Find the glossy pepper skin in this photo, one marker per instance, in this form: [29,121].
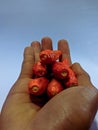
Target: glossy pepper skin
[54,87]
[39,69]
[49,56]
[38,86]
[72,79]
[51,75]
[60,70]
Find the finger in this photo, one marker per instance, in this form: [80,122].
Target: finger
[46,43]
[36,48]
[82,75]
[67,110]
[28,62]
[63,46]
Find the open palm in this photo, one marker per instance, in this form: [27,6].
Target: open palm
[20,112]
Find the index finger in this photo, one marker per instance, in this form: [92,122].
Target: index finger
[64,47]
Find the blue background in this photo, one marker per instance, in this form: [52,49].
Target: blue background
[23,21]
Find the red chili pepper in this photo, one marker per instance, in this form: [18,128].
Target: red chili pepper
[60,70]
[54,87]
[49,56]
[38,86]
[50,75]
[72,79]
[57,53]
[39,70]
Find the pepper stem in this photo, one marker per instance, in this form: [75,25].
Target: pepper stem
[35,89]
[64,74]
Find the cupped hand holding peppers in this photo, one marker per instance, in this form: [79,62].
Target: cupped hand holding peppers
[72,109]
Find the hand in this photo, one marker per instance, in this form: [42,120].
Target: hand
[72,109]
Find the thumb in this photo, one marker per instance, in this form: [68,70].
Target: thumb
[72,109]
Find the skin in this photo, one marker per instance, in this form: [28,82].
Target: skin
[72,109]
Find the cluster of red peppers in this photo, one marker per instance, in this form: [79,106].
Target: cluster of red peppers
[50,75]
